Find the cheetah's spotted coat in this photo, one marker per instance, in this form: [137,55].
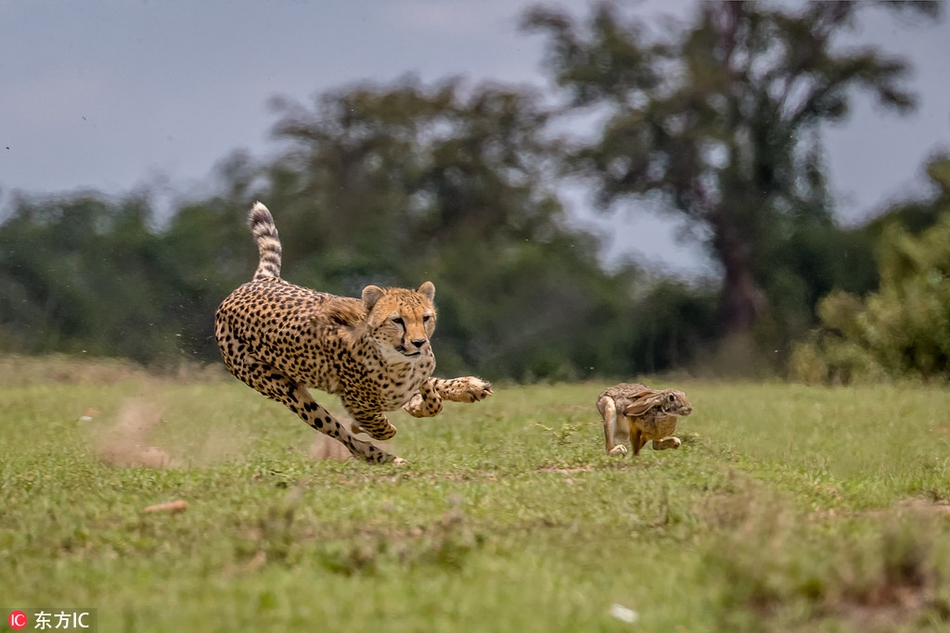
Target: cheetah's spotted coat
[373,352]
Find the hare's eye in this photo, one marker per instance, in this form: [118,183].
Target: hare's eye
[672,398]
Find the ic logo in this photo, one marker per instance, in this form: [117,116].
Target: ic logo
[17,620]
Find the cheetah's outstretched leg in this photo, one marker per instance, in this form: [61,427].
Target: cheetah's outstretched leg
[465,389]
[427,402]
[272,383]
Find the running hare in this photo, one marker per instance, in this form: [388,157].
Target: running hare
[636,413]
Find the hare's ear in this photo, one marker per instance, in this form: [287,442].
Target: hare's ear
[643,401]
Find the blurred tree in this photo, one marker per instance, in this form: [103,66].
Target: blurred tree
[389,185]
[86,274]
[917,215]
[395,185]
[719,119]
[379,181]
[213,251]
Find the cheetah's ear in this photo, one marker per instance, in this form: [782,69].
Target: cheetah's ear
[372,294]
[427,290]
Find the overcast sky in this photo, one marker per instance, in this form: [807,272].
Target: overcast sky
[115,95]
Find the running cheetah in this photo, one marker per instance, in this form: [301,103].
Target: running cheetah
[373,352]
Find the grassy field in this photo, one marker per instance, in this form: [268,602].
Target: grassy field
[788,508]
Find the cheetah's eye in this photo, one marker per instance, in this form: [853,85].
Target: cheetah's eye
[426,318]
[398,321]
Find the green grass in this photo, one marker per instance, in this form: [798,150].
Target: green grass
[787,509]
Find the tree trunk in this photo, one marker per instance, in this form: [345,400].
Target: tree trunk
[740,301]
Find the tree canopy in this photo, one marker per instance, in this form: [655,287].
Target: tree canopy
[389,185]
[719,119]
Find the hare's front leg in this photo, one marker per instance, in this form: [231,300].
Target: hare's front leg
[611,431]
[637,441]
[665,443]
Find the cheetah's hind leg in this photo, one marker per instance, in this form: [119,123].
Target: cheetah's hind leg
[272,383]
[311,412]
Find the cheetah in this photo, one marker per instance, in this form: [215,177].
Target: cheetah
[373,352]
[635,413]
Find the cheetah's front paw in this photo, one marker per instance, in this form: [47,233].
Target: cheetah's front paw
[474,389]
[619,449]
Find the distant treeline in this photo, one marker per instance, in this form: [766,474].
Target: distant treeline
[397,184]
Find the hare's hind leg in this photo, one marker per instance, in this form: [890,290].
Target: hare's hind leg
[611,431]
[665,443]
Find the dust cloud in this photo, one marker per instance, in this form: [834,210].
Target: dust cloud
[326,448]
[130,441]
[127,442]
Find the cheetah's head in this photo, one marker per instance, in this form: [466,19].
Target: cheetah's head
[401,321]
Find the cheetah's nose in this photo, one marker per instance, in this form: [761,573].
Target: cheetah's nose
[418,342]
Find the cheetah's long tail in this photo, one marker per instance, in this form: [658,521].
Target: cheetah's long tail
[262,226]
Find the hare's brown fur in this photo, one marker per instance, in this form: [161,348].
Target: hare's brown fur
[635,413]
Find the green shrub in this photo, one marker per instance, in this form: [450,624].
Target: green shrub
[901,330]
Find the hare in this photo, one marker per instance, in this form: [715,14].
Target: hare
[636,413]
